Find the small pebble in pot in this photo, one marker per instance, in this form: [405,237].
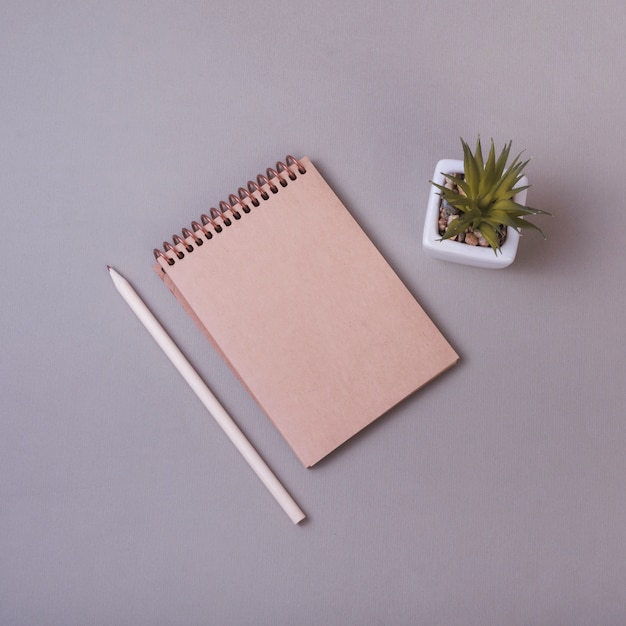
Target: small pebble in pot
[471,239]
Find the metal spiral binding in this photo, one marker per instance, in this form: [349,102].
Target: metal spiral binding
[246,199]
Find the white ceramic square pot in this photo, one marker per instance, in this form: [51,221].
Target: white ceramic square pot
[458,252]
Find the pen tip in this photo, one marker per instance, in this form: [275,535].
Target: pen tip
[108,268]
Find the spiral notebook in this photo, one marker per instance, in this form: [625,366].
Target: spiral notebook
[303,308]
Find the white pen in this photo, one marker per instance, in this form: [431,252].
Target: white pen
[207,398]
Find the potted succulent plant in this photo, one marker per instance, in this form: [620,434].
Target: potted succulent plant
[476,208]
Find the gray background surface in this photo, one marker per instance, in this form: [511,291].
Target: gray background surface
[494,496]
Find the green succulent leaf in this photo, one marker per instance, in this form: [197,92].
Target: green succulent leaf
[502,159]
[500,218]
[478,154]
[510,207]
[457,226]
[490,176]
[525,224]
[472,171]
[461,202]
[491,235]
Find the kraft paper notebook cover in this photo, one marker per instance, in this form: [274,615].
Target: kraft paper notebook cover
[303,308]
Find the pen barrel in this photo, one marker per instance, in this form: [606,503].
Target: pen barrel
[221,416]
